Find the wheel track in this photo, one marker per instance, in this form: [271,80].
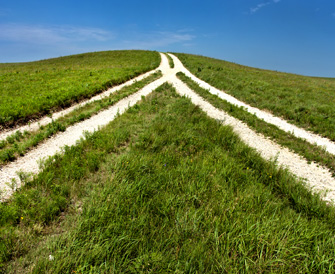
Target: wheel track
[48,119]
[318,178]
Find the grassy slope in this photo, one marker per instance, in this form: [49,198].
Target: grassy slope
[29,90]
[299,146]
[306,101]
[163,189]
[18,144]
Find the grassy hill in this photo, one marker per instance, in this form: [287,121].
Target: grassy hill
[308,102]
[161,189]
[30,90]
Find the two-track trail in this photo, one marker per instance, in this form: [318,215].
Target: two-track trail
[29,163]
[318,178]
[48,119]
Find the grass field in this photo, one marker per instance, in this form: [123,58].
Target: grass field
[302,147]
[308,102]
[18,144]
[30,90]
[164,188]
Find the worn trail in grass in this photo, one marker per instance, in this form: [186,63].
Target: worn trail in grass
[164,188]
[300,146]
[317,177]
[267,117]
[19,143]
[305,101]
[33,126]
[31,90]
[30,163]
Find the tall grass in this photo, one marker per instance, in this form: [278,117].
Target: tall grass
[164,188]
[305,101]
[29,90]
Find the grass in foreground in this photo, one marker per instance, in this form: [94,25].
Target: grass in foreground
[305,101]
[18,144]
[298,145]
[164,188]
[31,90]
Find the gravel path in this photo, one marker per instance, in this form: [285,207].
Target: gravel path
[29,163]
[318,178]
[47,119]
[267,117]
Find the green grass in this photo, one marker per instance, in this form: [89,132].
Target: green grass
[18,144]
[305,101]
[171,63]
[164,188]
[298,145]
[30,90]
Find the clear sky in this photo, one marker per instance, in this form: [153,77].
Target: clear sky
[295,36]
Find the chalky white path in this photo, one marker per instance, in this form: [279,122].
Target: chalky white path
[29,163]
[47,120]
[267,117]
[317,178]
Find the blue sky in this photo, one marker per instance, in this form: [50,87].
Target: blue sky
[295,36]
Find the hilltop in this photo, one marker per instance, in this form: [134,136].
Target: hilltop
[160,174]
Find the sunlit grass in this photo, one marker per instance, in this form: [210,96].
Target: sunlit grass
[19,143]
[30,90]
[305,149]
[164,188]
[308,102]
